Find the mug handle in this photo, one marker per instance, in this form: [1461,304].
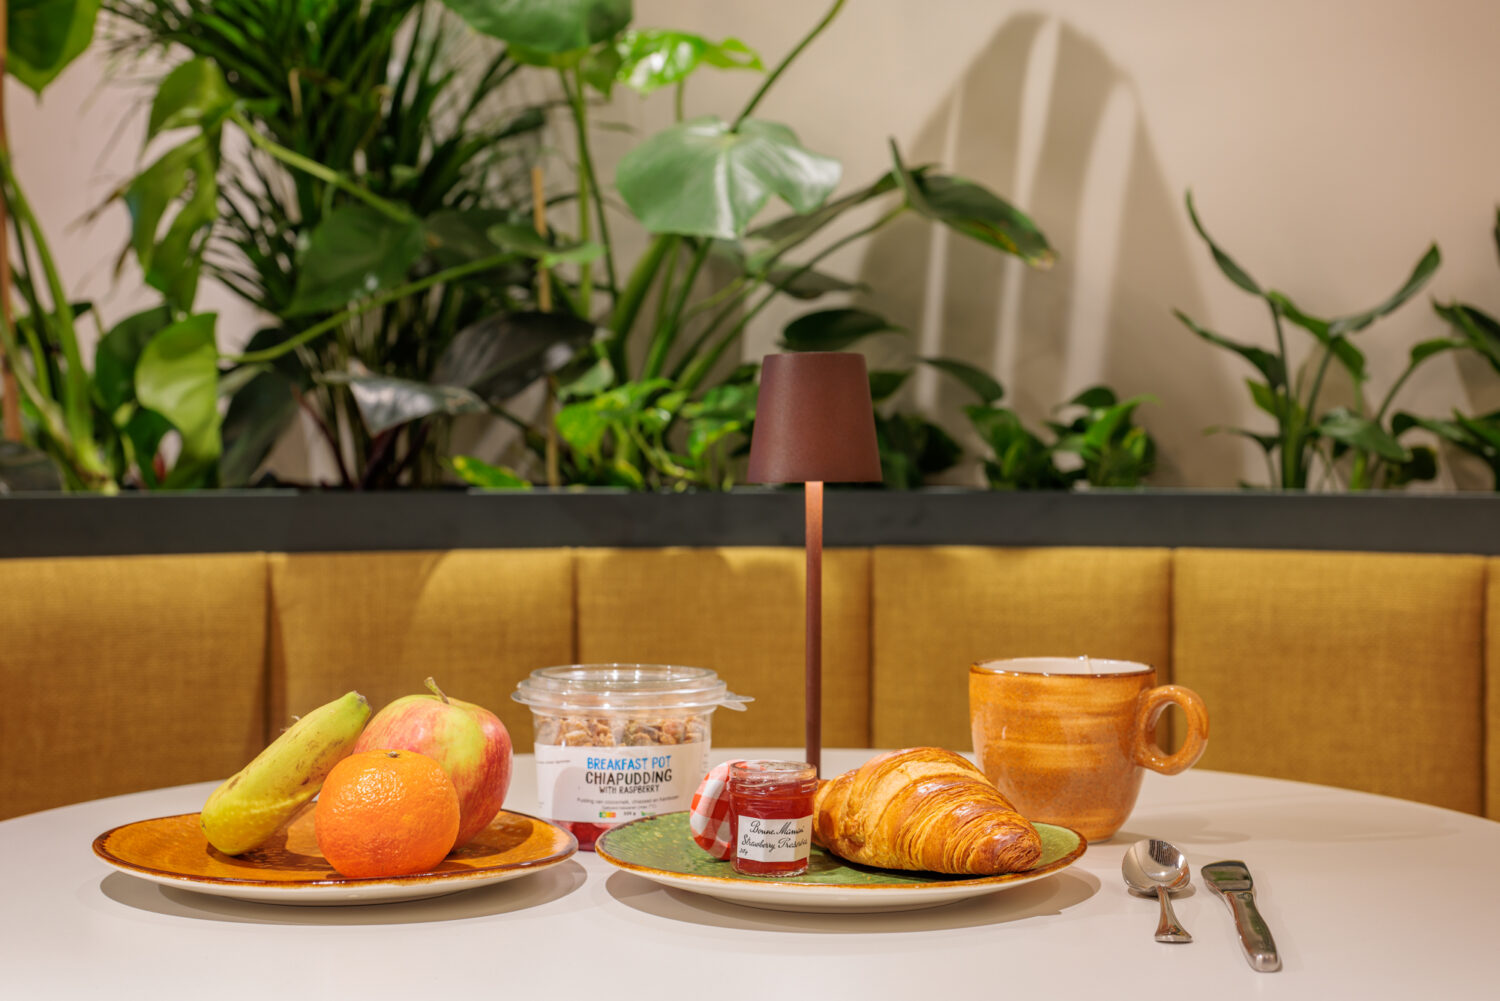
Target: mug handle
[1153,703]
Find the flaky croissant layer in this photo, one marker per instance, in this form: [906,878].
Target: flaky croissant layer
[923,808]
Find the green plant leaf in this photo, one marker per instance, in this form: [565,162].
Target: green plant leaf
[656,58]
[1478,328]
[178,258]
[568,60]
[529,243]
[119,351]
[1266,363]
[913,448]
[177,377]
[700,178]
[975,211]
[1414,282]
[730,401]
[194,95]
[705,433]
[808,284]
[1021,461]
[584,424]
[1345,426]
[1420,468]
[1423,350]
[791,230]
[1343,349]
[386,402]
[655,419]
[1268,442]
[595,379]
[790,279]
[23,468]
[984,385]
[834,329]
[456,237]
[1485,429]
[1226,264]
[501,355]
[1109,425]
[884,383]
[623,473]
[545,25]
[145,431]
[600,67]
[1094,398]
[582,427]
[478,473]
[187,172]
[1264,397]
[259,413]
[353,253]
[44,36]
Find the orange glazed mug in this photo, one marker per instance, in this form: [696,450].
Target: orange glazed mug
[1065,738]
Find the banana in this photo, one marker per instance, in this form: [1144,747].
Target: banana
[250,806]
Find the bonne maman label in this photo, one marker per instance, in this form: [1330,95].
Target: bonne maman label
[782,839]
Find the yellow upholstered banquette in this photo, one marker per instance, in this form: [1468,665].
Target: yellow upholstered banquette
[1362,670]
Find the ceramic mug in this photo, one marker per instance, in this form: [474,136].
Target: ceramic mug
[1066,738]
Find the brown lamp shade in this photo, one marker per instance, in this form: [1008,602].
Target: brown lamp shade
[814,421]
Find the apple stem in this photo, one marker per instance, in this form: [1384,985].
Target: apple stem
[432,687]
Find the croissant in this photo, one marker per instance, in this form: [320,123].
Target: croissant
[923,808]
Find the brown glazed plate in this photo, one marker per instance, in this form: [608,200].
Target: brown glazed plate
[661,849]
[289,869]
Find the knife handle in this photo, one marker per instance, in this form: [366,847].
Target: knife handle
[1255,937]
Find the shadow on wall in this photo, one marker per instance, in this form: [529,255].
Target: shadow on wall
[1044,117]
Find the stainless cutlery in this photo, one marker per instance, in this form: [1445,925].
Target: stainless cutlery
[1231,880]
[1156,867]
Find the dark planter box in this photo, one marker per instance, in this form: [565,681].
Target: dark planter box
[289,521]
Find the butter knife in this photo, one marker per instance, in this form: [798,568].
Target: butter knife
[1231,880]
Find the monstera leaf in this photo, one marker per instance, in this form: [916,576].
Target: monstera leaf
[545,25]
[656,58]
[702,178]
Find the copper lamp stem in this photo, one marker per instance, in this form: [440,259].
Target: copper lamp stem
[814,542]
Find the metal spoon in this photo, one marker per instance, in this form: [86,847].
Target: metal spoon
[1153,866]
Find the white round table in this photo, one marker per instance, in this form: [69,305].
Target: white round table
[1367,897]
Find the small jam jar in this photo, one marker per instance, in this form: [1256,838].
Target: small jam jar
[771,813]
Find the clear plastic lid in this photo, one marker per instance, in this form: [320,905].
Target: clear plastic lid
[625,687]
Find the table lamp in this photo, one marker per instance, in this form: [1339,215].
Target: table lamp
[814,424]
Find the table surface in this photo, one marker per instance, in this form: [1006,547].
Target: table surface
[1367,897]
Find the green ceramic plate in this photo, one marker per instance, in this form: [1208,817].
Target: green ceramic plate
[661,848]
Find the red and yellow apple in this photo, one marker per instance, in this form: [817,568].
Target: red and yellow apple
[469,741]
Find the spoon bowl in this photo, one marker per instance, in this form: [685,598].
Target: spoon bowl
[1153,867]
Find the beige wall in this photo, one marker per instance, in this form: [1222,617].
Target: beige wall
[1327,144]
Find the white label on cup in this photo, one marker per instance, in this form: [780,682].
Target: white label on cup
[610,785]
[783,839]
